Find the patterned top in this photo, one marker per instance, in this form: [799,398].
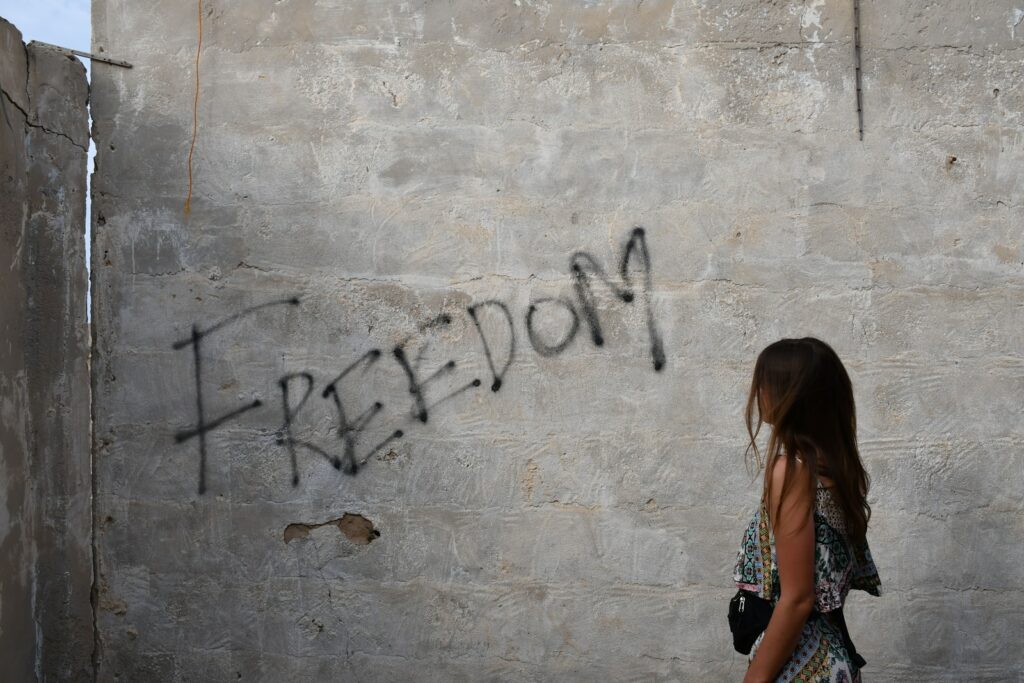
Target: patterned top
[839,566]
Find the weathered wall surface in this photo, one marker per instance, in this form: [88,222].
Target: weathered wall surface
[389,199]
[46,621]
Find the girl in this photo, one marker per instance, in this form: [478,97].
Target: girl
[806,546]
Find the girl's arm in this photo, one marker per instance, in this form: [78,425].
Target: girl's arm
[794,547]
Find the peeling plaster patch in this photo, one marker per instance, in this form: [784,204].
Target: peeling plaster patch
[356,528]
[530,477]
[14,412]
[811,17]
[1014,22]
[312,626]
[1005,254]
[5,515]
[118,607]
[725,17]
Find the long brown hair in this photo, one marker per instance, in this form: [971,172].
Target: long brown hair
[811,409]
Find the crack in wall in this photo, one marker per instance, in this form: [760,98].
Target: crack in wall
[28,122]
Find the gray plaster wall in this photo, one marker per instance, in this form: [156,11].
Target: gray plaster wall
[368,172]
[46,623]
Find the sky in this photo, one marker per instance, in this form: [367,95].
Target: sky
[67,23]
[61,22]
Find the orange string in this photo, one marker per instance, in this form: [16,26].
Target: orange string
[195,113]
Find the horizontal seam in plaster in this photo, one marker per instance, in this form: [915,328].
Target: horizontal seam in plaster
[646,44]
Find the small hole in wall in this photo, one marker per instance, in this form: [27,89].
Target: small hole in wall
[950,160]
[356,528]
[995,92]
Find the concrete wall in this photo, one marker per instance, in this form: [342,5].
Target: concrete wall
[46,625]
[377,184]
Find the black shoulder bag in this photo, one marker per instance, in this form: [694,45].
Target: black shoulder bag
[749,615]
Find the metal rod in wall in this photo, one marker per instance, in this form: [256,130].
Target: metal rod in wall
[87,55]
[856,65]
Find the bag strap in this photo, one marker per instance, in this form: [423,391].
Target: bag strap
[764,545]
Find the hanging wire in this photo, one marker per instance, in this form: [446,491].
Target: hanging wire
[195,113]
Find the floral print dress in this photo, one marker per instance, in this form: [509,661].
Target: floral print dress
[839,566]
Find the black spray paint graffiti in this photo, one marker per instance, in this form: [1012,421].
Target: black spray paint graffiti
[202,426]
[498,376]
[302,384]
[582,261]
[418,385]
